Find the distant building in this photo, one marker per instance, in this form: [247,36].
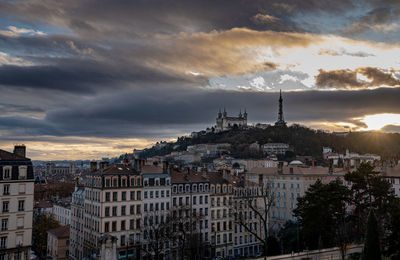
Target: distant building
[77,222]
[275,148]
[57,243]
[226,123]
[53,169]
[16,189]
[62,212]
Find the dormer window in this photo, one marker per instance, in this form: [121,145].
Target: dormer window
[108,182]
[22,172]
[123,182]
[7,172]
[115,182]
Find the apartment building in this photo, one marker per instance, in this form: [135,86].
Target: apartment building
[62,212]
[16,189]
[156,208]
[113,197]
[58,243]
[190,206]
[77,223]
[221,194]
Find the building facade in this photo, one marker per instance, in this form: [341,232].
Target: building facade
[58,243]
[16,189]
[77,223]
[223,122]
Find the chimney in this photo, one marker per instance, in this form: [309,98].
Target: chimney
[330,166]
[76,183]
[103,165]
[165,166]
[280,167]
[313,162]
[20,150]
[93,166]
[187,172]
[204,173]
[227,175]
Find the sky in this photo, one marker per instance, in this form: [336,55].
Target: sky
[85,79]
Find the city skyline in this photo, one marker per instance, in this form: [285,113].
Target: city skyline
[84,82]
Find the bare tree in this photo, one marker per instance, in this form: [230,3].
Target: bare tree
[252,205]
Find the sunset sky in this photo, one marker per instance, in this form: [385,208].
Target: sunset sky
[84,79]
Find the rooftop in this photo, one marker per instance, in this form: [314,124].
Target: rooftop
[7,156]
[60,232]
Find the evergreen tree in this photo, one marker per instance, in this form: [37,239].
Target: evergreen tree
[372,249]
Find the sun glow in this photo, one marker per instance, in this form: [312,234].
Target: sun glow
[377,121]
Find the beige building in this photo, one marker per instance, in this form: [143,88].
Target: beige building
[58,243]
[113,209]
[16,204]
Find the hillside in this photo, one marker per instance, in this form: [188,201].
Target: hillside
[305,141]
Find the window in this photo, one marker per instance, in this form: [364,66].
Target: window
[132,210]
[123,225]
[132,195]
[137,209]
[5,206]
[115,182]
[138,195]
[123,210]
[7,173]
[107,227]
[3,242]
[21,205]
[138,223]
[6,189]
[114,226]
[131,224]
[107,196]
[108,182]
[22,172]
[115,196]
[123,195]
[107,212]
[123,182]
[4,224]
[145,194]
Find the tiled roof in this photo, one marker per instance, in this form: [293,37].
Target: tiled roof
[44,204]
[179,177]
[7,156]
[60,232]
[118,168]
[151,169]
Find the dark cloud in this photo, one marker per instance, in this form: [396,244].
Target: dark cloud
[167,112]
[348,78]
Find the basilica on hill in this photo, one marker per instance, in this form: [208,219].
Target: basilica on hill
[225,122]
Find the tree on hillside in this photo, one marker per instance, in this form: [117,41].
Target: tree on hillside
[372,249]
[42,223]
[322,215]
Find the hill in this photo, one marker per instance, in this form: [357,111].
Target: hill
[305,141]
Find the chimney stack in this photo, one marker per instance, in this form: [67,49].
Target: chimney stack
[280,167]
[330,166]
[20,150]
[93,166]
[313,162]
[103,165]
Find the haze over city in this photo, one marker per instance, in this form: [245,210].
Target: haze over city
[88,79]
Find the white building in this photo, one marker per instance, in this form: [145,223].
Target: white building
[77,224]
[62,212]
[156,207]
[275,148]
[16,189]
[225,123]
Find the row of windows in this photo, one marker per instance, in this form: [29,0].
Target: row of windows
[187,200]
[156,194]
[22,171]
[134,195]
[156,206]
[113,211]
[112,226]
[156,182]
[186,213]
[6,206]
[113,181]
[188,188]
